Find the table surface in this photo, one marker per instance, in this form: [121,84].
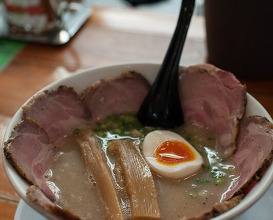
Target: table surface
[110,36]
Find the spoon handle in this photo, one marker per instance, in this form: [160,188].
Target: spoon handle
[162,106]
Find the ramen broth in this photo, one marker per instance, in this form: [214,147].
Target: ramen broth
[189,197]
[68,178]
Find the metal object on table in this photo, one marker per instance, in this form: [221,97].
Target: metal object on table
[64,19]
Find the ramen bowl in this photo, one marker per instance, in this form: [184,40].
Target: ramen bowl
[81,80]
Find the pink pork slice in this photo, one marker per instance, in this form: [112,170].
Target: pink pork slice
[254,153]
[252,158]
[59,112]
[30,152]
[214,99]
[123,94]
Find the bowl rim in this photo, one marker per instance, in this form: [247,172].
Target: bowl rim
[103,71]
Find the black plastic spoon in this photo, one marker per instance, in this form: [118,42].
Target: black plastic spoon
[161,107]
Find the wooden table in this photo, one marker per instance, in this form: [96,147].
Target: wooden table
[110,36]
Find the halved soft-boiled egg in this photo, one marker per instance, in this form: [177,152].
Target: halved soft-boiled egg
[170,155]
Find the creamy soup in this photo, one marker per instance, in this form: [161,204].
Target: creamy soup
[75,189]
[188,197]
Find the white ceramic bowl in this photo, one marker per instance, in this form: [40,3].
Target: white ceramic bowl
[84,78]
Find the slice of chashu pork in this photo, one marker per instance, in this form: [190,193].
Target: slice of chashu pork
[253,156]
[31,153]
[254,153]
[116,95]
[214,99]
[58,111]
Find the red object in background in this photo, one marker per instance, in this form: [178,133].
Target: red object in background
[38,9]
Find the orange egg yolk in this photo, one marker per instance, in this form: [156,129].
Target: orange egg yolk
[174,152]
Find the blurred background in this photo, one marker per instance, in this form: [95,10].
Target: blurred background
[163,6]
[18,18]
[238,34]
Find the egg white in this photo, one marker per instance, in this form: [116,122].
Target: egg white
[180,170]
